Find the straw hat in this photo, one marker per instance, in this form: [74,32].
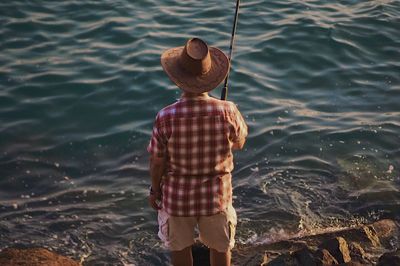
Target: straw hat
[195,67]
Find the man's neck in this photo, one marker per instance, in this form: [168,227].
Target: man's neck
[189,95]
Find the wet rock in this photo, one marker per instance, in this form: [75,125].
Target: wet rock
[249,255]
[372,235]
[338,248]
[388,232]
[305,256]
[366,245]
[33,257]
[264,260]
[390,259]
[256,255]
[358,254]
[324,257]
[353,263]
[284,260]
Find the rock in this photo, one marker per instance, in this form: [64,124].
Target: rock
[305,257]
[358,254]
[390,259]
[264,260]
[352,263]
[33,257]
[324,257]
[256,255]
[370,242]
[301,257]
[338,248]
[386,230]
[372,235]
[284,260]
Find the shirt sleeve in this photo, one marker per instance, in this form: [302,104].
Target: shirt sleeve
[239,126]
[158,144]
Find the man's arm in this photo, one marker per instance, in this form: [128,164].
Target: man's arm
[240,130]
[157,169]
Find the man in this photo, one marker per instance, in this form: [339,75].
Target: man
[191,156]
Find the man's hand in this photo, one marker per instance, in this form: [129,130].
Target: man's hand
[155,200]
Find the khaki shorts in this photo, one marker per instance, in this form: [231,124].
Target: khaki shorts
[215,231]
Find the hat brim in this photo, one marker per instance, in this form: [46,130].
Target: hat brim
[195,83]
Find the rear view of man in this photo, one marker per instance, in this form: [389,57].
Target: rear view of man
[191,156]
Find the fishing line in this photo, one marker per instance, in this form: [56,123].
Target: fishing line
[224,92]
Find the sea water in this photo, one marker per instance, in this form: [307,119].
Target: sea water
[318,83]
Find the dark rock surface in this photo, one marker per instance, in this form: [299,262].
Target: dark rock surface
[305,256]
[338,248]
[33,257]
[324,257]
[358,254]
[390,259]
[283,260]
[362,245]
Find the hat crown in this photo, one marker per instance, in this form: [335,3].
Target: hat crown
[196,49]
[195,57]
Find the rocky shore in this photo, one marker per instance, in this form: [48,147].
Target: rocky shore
[374,244]
[33,257]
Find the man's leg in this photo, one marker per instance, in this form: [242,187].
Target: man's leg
[183,257]
[177,234]
[218,233]
[220,258]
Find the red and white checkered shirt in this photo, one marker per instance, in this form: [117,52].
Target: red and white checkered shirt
[196,136]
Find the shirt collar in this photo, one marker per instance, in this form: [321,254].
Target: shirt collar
[200,97]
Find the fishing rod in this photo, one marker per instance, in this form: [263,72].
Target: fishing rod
[224,92]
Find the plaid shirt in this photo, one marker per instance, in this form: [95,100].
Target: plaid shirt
[196,136]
